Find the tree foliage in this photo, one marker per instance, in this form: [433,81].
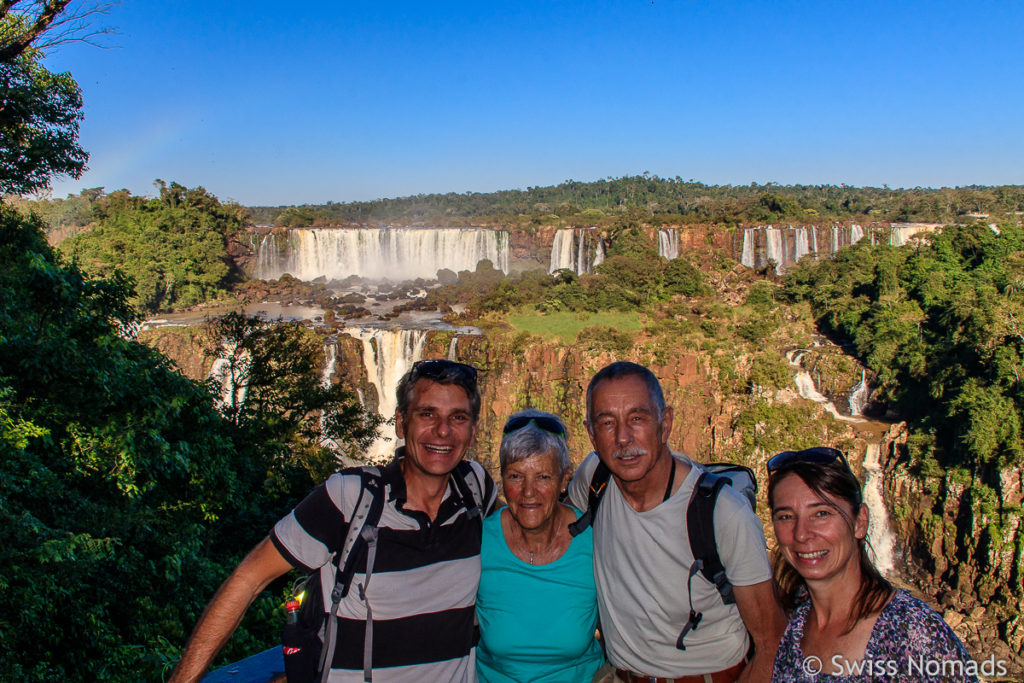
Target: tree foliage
[174,247]
[125,496]
[939,324]
[40,114]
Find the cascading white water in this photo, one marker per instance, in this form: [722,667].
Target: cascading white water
[859,395]
[387,355]
[668,243]
[380,253]
[747,254]
[835,239]
[814,239]
[451,347]
[774,247]
[881,540]
[571,249]
[801,245]
[806,389]
[231,372]
[562,251]
[856,234]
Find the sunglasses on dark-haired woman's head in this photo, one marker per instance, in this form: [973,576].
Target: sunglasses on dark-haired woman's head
[819,455]
[548,424]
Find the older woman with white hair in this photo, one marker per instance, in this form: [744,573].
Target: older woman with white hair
[537,604]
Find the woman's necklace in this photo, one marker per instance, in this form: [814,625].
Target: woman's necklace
[531,557]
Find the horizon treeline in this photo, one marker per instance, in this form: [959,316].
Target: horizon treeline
[661,201]
[646,199]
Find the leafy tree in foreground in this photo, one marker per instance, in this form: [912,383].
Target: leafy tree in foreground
[125,497]
[40,113]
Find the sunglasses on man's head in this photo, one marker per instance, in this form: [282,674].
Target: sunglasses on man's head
[819,455]
[437,367]
[548,424]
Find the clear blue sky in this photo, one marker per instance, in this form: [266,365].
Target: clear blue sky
[306,102]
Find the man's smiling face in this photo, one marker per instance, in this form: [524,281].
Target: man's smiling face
[438,428]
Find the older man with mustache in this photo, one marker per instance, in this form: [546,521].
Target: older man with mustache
[642,554]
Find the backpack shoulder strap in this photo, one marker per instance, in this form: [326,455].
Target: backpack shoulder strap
[467,484]
[362,533]
[700,527]
[598,485]
[700,523]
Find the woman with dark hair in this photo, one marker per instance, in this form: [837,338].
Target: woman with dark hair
[537,602]
[848,623]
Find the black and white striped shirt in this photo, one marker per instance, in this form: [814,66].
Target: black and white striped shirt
[424,581]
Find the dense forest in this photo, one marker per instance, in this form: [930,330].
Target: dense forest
[659,201]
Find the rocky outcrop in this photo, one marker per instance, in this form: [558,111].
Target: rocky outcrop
[965,546]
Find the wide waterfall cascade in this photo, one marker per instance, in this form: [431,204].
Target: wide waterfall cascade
[859,395]
[668,243]
[806,389]
[881,540]
[380,253]
[387,355]
[577,249]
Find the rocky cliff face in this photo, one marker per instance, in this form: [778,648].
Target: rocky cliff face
[961,553]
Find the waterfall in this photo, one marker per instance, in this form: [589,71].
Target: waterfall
[856,234]
[387,355]
[582,260]
[380,253]
[451,347]
[835,239]
[801,246]
[231,374]
[880,537]
[774,248]
[807,390]
[814,239]
[859,395]
[747,255]
[562,250]
[571,249]
[668,243]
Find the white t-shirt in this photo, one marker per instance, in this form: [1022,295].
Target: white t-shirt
[641,562]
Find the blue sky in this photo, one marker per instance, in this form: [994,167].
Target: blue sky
[270,103]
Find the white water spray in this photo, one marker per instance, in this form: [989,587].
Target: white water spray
[387,355]
[881,541]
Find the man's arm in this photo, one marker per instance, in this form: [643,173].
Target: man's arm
[765,622]
[221,617]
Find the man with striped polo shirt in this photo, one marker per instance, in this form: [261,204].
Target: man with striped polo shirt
[427,567]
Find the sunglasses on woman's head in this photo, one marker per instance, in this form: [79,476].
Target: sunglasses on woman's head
[548,424]
[819,455]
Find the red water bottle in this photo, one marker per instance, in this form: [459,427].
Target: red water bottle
[291,616]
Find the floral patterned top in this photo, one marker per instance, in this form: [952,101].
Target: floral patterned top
[909,642]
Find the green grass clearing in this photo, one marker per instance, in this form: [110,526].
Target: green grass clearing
[565,325]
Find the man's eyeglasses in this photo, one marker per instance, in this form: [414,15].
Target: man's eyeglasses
[819,455]
[548,424]
[438,368]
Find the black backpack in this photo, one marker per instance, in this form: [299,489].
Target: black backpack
[699,525]
[310,641]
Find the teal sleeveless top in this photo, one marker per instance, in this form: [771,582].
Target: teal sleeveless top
[537,622]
